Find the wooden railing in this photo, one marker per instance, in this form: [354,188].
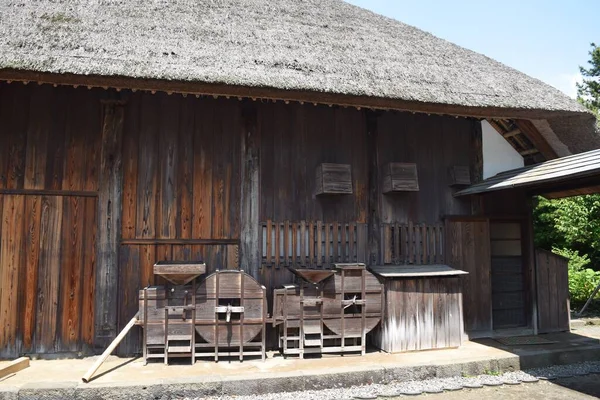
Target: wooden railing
[316,244]
[313,244]
[412,243]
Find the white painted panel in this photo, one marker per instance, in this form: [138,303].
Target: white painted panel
[498,154]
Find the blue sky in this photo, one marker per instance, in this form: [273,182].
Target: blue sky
[547,39]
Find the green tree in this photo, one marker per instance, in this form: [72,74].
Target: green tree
[569,223]
[588,92]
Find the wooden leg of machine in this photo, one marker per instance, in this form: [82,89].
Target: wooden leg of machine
[217,317]
[166,324]
[264,325]
[363,314]
[343,321]
[241,317]
[145,333]
[301,329]
[193,333]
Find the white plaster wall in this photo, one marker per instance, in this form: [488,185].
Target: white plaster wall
[498,155]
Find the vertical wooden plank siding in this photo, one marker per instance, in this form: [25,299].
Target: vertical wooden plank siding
[373,204]
[33,211]
[11,262]
[49,269]
[89,266]
[109,219]
[553,292]
[468,249]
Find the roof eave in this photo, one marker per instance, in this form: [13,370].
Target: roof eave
[270,93]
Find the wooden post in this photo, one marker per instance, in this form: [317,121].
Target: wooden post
[250,253]
[109,224]
[374,219]
[476,166]
[532,264]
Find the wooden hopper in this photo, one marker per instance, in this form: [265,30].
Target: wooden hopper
[312,275]
[179,272]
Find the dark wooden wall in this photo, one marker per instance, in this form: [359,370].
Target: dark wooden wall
[434,143]
[168,177]
[468,249]
[295,140]
[49,162]
[181,189]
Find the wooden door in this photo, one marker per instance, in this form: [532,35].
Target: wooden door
[468,249]
[552,292]
[508,275]
[47,266]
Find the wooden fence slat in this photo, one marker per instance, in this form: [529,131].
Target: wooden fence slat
[311,244]
[424,249]
[286,243]
[387,237]
[303,243]
[327,261]
[361,242]
[335,248]
[269,243]
[319,261]
[351,236]
[277,243]
[410,242]
[396,244]
[294,243]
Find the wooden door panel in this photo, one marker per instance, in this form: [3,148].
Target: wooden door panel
[468,249]
[47,262]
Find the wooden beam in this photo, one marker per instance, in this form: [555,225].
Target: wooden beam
[14,366]
[180,241]
[374,219]
[212,89]
[512,133]
[250,252]
[43,192]
[109,225]
[528,152]
[535,137]
[572,192]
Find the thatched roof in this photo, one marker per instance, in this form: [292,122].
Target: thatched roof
[310,45]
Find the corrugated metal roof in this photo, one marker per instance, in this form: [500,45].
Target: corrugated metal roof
[553,171]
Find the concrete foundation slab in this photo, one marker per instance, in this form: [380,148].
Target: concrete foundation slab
[126,378]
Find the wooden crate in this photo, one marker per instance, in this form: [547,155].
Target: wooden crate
[459,175]
[333,179]
[400,177]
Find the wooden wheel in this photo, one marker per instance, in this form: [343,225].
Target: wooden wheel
[352,316]
[235,289]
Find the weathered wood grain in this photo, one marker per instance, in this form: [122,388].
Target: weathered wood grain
[11,262]
[552,292]
[33,211]
[109,228]
[420,314]
[49,269]
[468,249]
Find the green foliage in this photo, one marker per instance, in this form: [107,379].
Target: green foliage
[588,92]
[582,281]
[570,223]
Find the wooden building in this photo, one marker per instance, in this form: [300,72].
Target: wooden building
[258,136]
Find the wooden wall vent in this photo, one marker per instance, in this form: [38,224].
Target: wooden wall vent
[460,176]
[400,177]
[333,179]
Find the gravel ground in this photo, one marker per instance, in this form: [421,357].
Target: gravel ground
[437,385]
